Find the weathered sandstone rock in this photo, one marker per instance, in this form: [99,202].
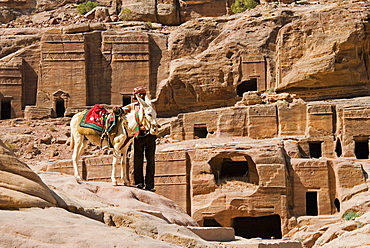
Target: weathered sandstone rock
[214,233]
[58,227]
[323,54]
[20,187]
[207,62]
[301,55]
[6,15]
[99,194]
[23,5]
[12,40]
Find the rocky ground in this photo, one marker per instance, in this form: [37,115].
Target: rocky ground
[37,142]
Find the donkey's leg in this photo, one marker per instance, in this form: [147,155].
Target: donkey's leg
[78,149]
[116,157]
[124,164]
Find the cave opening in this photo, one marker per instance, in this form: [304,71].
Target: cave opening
[250,85]
[338,148]
[234,167]
[264,227]
[211,222]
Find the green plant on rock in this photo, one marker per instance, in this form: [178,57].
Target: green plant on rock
[11,145]
[149,24]
[350,215]
[83,8]
[125,14]
[241,5]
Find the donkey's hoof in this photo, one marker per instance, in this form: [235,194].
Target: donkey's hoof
[115,183]
[79,180]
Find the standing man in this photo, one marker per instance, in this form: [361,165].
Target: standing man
[144,144]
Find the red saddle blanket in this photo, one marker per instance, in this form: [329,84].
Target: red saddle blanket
[98,118]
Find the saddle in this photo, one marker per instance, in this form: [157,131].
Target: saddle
[99,121]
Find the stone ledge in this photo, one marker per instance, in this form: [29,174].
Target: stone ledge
[34,112]
[214,233]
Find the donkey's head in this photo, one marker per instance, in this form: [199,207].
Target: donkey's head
[147,115]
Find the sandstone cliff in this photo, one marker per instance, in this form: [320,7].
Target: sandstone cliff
[313,50]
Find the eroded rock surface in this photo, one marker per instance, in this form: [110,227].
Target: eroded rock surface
[20,187]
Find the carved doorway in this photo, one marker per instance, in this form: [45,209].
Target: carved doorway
[6,109]
[362,148]
[264,227]
[311,204]
[60,107]
[315,149]
[60,102]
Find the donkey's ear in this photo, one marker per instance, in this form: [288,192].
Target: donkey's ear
[147,100]
[141,101]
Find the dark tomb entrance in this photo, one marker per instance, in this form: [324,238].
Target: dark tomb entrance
[264,227]
[60,108]
[337,204]
[200,131]
[126,99]
[229,167]
[315,149]
[362,149]
[338,148]
[311,203]
[250,85]
[233,169]
[211,222]
[6,109]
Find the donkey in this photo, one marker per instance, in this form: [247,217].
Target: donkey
[120,140]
